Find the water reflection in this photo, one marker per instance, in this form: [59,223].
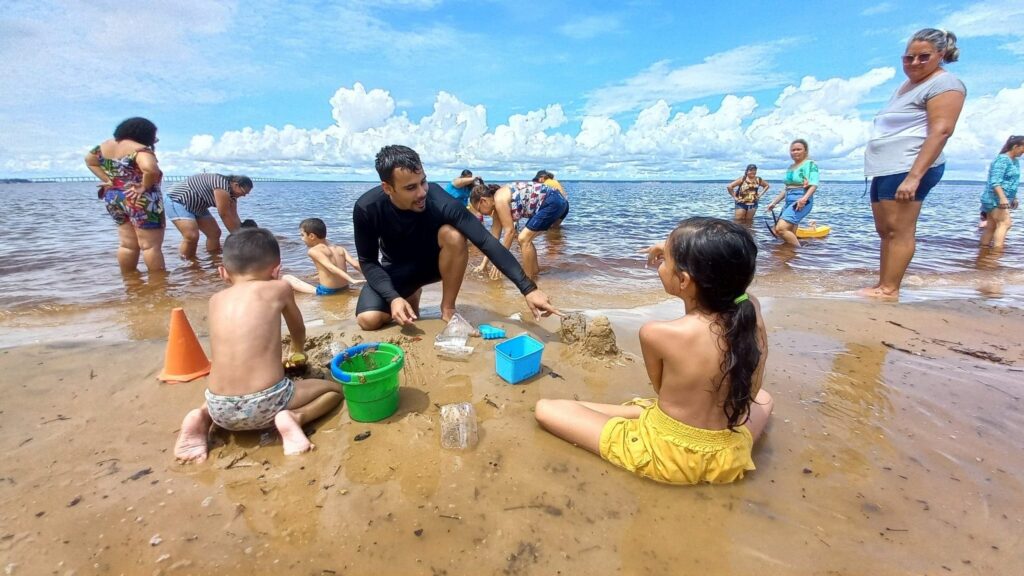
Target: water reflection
[554,244]
[988,258]
[146,306]
[854,407]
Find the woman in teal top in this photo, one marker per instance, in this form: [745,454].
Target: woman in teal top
[1001,192]
[800,184]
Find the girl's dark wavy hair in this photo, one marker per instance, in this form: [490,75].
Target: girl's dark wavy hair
[721,258]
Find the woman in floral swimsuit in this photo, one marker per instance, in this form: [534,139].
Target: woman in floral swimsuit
[746,191]
[540,204]
[130,188]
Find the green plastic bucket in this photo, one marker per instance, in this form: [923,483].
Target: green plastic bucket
[368,374]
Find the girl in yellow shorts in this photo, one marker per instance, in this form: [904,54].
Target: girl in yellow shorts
[706,368]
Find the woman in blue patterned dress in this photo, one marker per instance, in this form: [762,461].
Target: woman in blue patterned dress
[1000,194]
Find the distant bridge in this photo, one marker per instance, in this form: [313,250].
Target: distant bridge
[165,179]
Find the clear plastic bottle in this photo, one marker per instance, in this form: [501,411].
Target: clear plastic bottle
[458,426]
[457,332]
[452,351]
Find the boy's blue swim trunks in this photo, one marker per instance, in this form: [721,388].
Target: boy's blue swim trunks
[322,290]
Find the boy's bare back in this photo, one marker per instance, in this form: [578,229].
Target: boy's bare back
[245,336]
[337,256]
[689,353]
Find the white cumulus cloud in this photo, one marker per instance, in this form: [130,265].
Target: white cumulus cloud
[356,110]
[744,68]
[659,141]
[984,19]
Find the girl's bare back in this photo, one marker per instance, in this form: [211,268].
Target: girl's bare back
[692,389]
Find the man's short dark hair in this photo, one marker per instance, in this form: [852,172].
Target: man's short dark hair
[314,226]
[396,156]
[136,129]
[249,250]
[466,174]
[249,223]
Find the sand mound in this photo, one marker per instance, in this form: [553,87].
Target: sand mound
[596,338]
[600,338]
[573,328]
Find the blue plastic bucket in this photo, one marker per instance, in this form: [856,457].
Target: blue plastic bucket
[516,359]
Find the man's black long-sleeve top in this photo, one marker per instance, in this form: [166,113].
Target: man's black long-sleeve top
[385,233]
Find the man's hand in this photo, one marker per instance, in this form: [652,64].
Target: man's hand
[402,312]
[540,305]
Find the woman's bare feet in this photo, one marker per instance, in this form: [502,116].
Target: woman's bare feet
[879,293]
[292,436]
[192,441]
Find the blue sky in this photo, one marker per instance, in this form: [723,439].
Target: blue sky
[631,90]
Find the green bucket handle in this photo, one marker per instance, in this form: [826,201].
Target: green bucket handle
[353,351]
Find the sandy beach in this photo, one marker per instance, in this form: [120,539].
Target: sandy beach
[893,450]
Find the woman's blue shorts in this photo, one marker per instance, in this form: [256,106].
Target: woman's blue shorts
[884,187]
[790,213]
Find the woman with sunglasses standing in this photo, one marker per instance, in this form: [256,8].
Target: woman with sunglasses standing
[904,156]
[1001,192]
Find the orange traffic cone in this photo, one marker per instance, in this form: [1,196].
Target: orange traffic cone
[185,360]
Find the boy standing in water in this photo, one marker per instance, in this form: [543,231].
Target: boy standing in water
[247,386]
[330,261]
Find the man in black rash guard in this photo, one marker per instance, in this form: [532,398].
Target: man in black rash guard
[421,233]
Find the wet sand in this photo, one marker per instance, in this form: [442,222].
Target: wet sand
[893,449]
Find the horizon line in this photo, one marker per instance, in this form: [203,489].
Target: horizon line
[85,179]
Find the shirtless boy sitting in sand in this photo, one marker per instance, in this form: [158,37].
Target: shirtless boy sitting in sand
[330,262]
[247,386]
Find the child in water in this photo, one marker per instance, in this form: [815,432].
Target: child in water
[330,261]
[706,369]
[248,389]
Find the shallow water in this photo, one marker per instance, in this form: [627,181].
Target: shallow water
[57,248]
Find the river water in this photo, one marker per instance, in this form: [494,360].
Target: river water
[57,248]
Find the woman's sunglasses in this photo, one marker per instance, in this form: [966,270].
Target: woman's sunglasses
[922,58]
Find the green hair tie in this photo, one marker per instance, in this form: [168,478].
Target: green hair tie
[741,298]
